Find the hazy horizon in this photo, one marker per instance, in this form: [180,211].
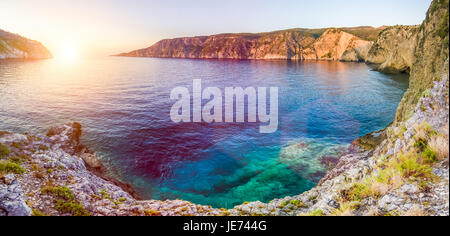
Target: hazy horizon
[101,28]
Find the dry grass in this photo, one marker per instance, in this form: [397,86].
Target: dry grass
[439,145]
[346,209]
[415,211]
[379,188]
[421,133]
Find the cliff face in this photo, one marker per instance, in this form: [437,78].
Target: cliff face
[431,54]
[13,46]
[335,44]
[393,51]
[296,44]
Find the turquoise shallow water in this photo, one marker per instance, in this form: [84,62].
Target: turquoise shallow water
[123,105]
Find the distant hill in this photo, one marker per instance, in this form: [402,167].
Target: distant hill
[349,44]
[13,46]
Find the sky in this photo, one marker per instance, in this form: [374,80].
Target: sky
[105,27]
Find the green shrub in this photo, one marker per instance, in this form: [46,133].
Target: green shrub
[65,202]
[152,213]
[8,167]
[297,203]
[430,155]
[60,192]
[4,150]
[71,207]
[122,199]
[411,165]
[357,192]
[317,212]
[312,198]
[36,212]
[18,159]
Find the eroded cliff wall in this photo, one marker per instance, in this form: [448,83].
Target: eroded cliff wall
[393,51]
[431,53]
[295,44]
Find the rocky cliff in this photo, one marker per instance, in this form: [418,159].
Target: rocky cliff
[295,44]
[393,51]
[13,46]
[335,44]
[431,55]
[54,174]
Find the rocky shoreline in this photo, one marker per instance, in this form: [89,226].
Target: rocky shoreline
[54,175]
[390,179]
[401,170]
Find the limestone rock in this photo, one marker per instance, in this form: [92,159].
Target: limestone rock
[393,51]
[294,44]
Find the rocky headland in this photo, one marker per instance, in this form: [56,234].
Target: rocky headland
[348,44]
[13,46]
[401,170]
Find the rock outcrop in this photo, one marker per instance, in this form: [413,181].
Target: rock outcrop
[393,51]
[335,44]
[296,44]
[431,54]
[13,46]
[11,198]
[51,175]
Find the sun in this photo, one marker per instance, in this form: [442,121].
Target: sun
[69,53]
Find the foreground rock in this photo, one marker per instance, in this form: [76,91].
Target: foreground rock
[49,175]
[13,46]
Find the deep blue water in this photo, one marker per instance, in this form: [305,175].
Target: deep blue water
[124,104]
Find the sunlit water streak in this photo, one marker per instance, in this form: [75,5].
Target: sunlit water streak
[123,105]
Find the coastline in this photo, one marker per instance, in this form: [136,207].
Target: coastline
[99,194]
[400,170]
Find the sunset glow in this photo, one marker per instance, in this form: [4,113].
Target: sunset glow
[104,28]
[68,53]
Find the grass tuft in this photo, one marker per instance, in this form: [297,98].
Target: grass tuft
[4,150]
